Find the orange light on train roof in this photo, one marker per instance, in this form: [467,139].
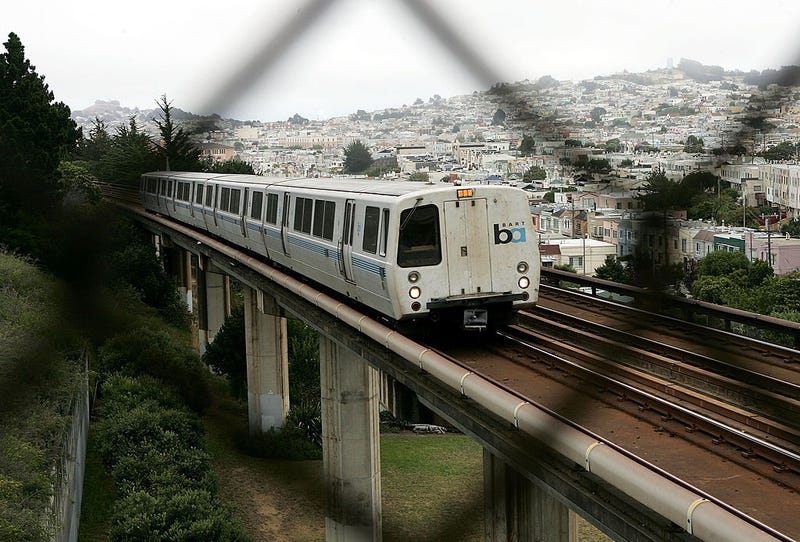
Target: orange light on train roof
[464,193]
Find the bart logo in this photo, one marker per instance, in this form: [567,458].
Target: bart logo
[508,235]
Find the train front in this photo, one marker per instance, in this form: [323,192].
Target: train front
[468,256]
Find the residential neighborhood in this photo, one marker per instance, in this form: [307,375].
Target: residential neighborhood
[596,141]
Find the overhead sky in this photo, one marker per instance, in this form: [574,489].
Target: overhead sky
[269,59]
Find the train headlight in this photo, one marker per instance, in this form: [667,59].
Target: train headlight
[524,282]
[522,267]
[414,292]
[413,277]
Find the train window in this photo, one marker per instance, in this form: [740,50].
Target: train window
[182,191]
[303,211]
[210,196]
[384,232]
[419,242]
[372,217]
[327,223]
[256,204]
[225,199]
[272,208]
[235,197]
[169,189]
[198,194]
[323,219]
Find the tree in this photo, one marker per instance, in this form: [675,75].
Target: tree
[598,165]
[230,166]
[35,131]
[131,154]
[612,269]
[660,193]
[782,151]
[613,145]
[534,173]
[226,353]
[499,117]
[722,263]
[97,144]
[419,176]
[597,113]
[693,145]
[792,228]
[527,145]
[356,157]
[176,146]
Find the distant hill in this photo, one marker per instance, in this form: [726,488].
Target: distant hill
[113,114]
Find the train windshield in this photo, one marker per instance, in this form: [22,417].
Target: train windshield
[419,242]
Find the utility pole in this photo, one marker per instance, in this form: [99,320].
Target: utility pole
[769,243]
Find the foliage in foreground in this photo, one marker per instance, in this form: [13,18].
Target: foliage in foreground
[37,386]
[155,449]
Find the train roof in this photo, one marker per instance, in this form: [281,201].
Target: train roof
[338,184]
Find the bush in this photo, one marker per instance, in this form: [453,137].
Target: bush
[289,442]
[154,448]
[183,515]
[159,354]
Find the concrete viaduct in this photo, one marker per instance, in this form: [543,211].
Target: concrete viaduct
[531,491]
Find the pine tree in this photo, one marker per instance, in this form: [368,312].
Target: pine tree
[176,147]
[36,131]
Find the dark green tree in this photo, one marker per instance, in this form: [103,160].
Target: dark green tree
[131,154]
[597,113]
[534,173]
[792,228]
[527,145]
[230,166]
[693,145]
[612,269]
[36,132]
[721,263]
[598,165]
[176,147]
[356,157]
[97,145]
[613,145]
[499,117]
[782,151]
[226,353]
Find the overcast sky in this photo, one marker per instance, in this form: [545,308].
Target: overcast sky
[345,55]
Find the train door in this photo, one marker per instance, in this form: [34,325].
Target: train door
[243,211]
[469,265]
[346,242]
[285,223]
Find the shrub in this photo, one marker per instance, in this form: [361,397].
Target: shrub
[289,442]
[157,353]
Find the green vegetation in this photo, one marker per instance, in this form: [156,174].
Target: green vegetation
[38,383]
[301,437]
[357,157]
[534,173]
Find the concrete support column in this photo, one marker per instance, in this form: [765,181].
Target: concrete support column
[184,268]
[213,302]
[267,348]
[218,301]
[350,445]
[515,509]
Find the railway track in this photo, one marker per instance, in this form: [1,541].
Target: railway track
[721,420]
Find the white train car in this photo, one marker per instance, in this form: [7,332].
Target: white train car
[407,250]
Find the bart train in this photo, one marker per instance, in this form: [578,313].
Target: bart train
[408,250]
